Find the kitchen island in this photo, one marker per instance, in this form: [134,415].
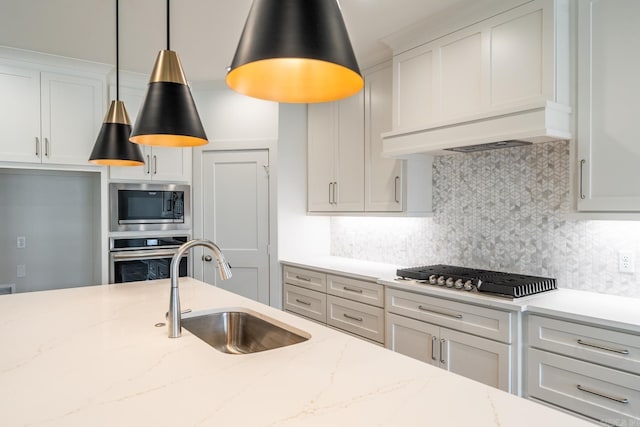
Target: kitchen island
[93,356]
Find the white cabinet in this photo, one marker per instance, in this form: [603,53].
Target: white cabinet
[454,336]
[49,117]
[346,304]
[346,169]
[161,163]
[503,77]
[335,166]
[384,179]
[477,358]
[608,136]
[585,369]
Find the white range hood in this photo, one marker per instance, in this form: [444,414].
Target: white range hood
[495,77]
[537,122]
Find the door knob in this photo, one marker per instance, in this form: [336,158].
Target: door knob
[207,258]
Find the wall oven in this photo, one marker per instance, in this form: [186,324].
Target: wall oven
[133,259]
[154,207]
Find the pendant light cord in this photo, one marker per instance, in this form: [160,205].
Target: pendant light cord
[168,25]
[117,51]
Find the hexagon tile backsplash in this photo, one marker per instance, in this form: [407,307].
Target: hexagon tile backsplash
[501,210]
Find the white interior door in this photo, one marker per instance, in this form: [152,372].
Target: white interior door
[236,218]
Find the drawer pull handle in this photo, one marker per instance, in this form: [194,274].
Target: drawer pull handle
[456,316]
[357,319]
[304,279]
[357,291]
[601,347]
[616,399]
[442,358]
[433,347]
[302,302]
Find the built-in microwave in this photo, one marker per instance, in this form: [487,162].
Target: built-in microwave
[153,207]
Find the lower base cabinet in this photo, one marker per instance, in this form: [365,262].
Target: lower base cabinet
[349,305]
[477,358]
[452,336]
[584,369]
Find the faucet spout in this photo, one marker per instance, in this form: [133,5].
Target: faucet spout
[174,318]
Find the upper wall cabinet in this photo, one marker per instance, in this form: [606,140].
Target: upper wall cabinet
[347,171]
[608,94]
[160,163]
[502,78]
[335,171]
[49,117]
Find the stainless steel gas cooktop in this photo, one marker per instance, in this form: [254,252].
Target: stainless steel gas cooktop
[474,280]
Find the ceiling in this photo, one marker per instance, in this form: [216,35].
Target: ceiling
[203,32]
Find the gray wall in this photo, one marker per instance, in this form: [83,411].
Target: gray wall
[58,213]
[504,210]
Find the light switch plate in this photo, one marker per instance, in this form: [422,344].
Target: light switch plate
[21,270]
[21,242]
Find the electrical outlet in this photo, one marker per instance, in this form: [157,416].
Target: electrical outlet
[21,242]
[21,270]
[626,263]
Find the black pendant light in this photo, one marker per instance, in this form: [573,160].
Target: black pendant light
[112,147]
[295,51]
[168,116]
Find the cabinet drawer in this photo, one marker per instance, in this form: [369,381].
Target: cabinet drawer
[592,390]
[618,350]
[305,302]
[481,321]
[306,278]
[356,290]
[357,318]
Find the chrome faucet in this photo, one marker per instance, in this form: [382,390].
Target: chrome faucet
[174,316]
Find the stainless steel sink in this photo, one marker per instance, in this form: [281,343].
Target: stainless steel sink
[240,332]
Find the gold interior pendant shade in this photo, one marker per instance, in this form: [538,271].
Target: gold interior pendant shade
[295,51]
[112,147]
[168,116]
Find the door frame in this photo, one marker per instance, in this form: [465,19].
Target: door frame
[269,144]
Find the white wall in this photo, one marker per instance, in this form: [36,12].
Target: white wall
[298,234]
[59,214]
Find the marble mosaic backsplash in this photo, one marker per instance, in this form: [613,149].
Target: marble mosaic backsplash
[502,210]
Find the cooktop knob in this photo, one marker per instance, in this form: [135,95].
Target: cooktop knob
[458,284]
[468,286]
[433,279]
[449,282]
[440,281]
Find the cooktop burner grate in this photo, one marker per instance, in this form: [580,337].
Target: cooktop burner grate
[513,285]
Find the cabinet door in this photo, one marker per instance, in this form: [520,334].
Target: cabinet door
[19,114]
[170,164]
[72,112]
[412,338]
[414,84]
[349,161]
[383,175]
[321,156]
[483,360]
[608,136]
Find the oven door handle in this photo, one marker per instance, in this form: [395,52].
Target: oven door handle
[135,255]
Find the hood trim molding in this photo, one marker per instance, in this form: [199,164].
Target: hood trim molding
[541,121]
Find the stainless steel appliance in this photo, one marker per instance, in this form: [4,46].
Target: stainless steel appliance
[482,281]
[142,207]
[133,259]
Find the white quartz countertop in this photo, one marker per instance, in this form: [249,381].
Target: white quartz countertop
[93,357]
[609,311]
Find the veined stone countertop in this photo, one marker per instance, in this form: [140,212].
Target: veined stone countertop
[609,311]
[93,357]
